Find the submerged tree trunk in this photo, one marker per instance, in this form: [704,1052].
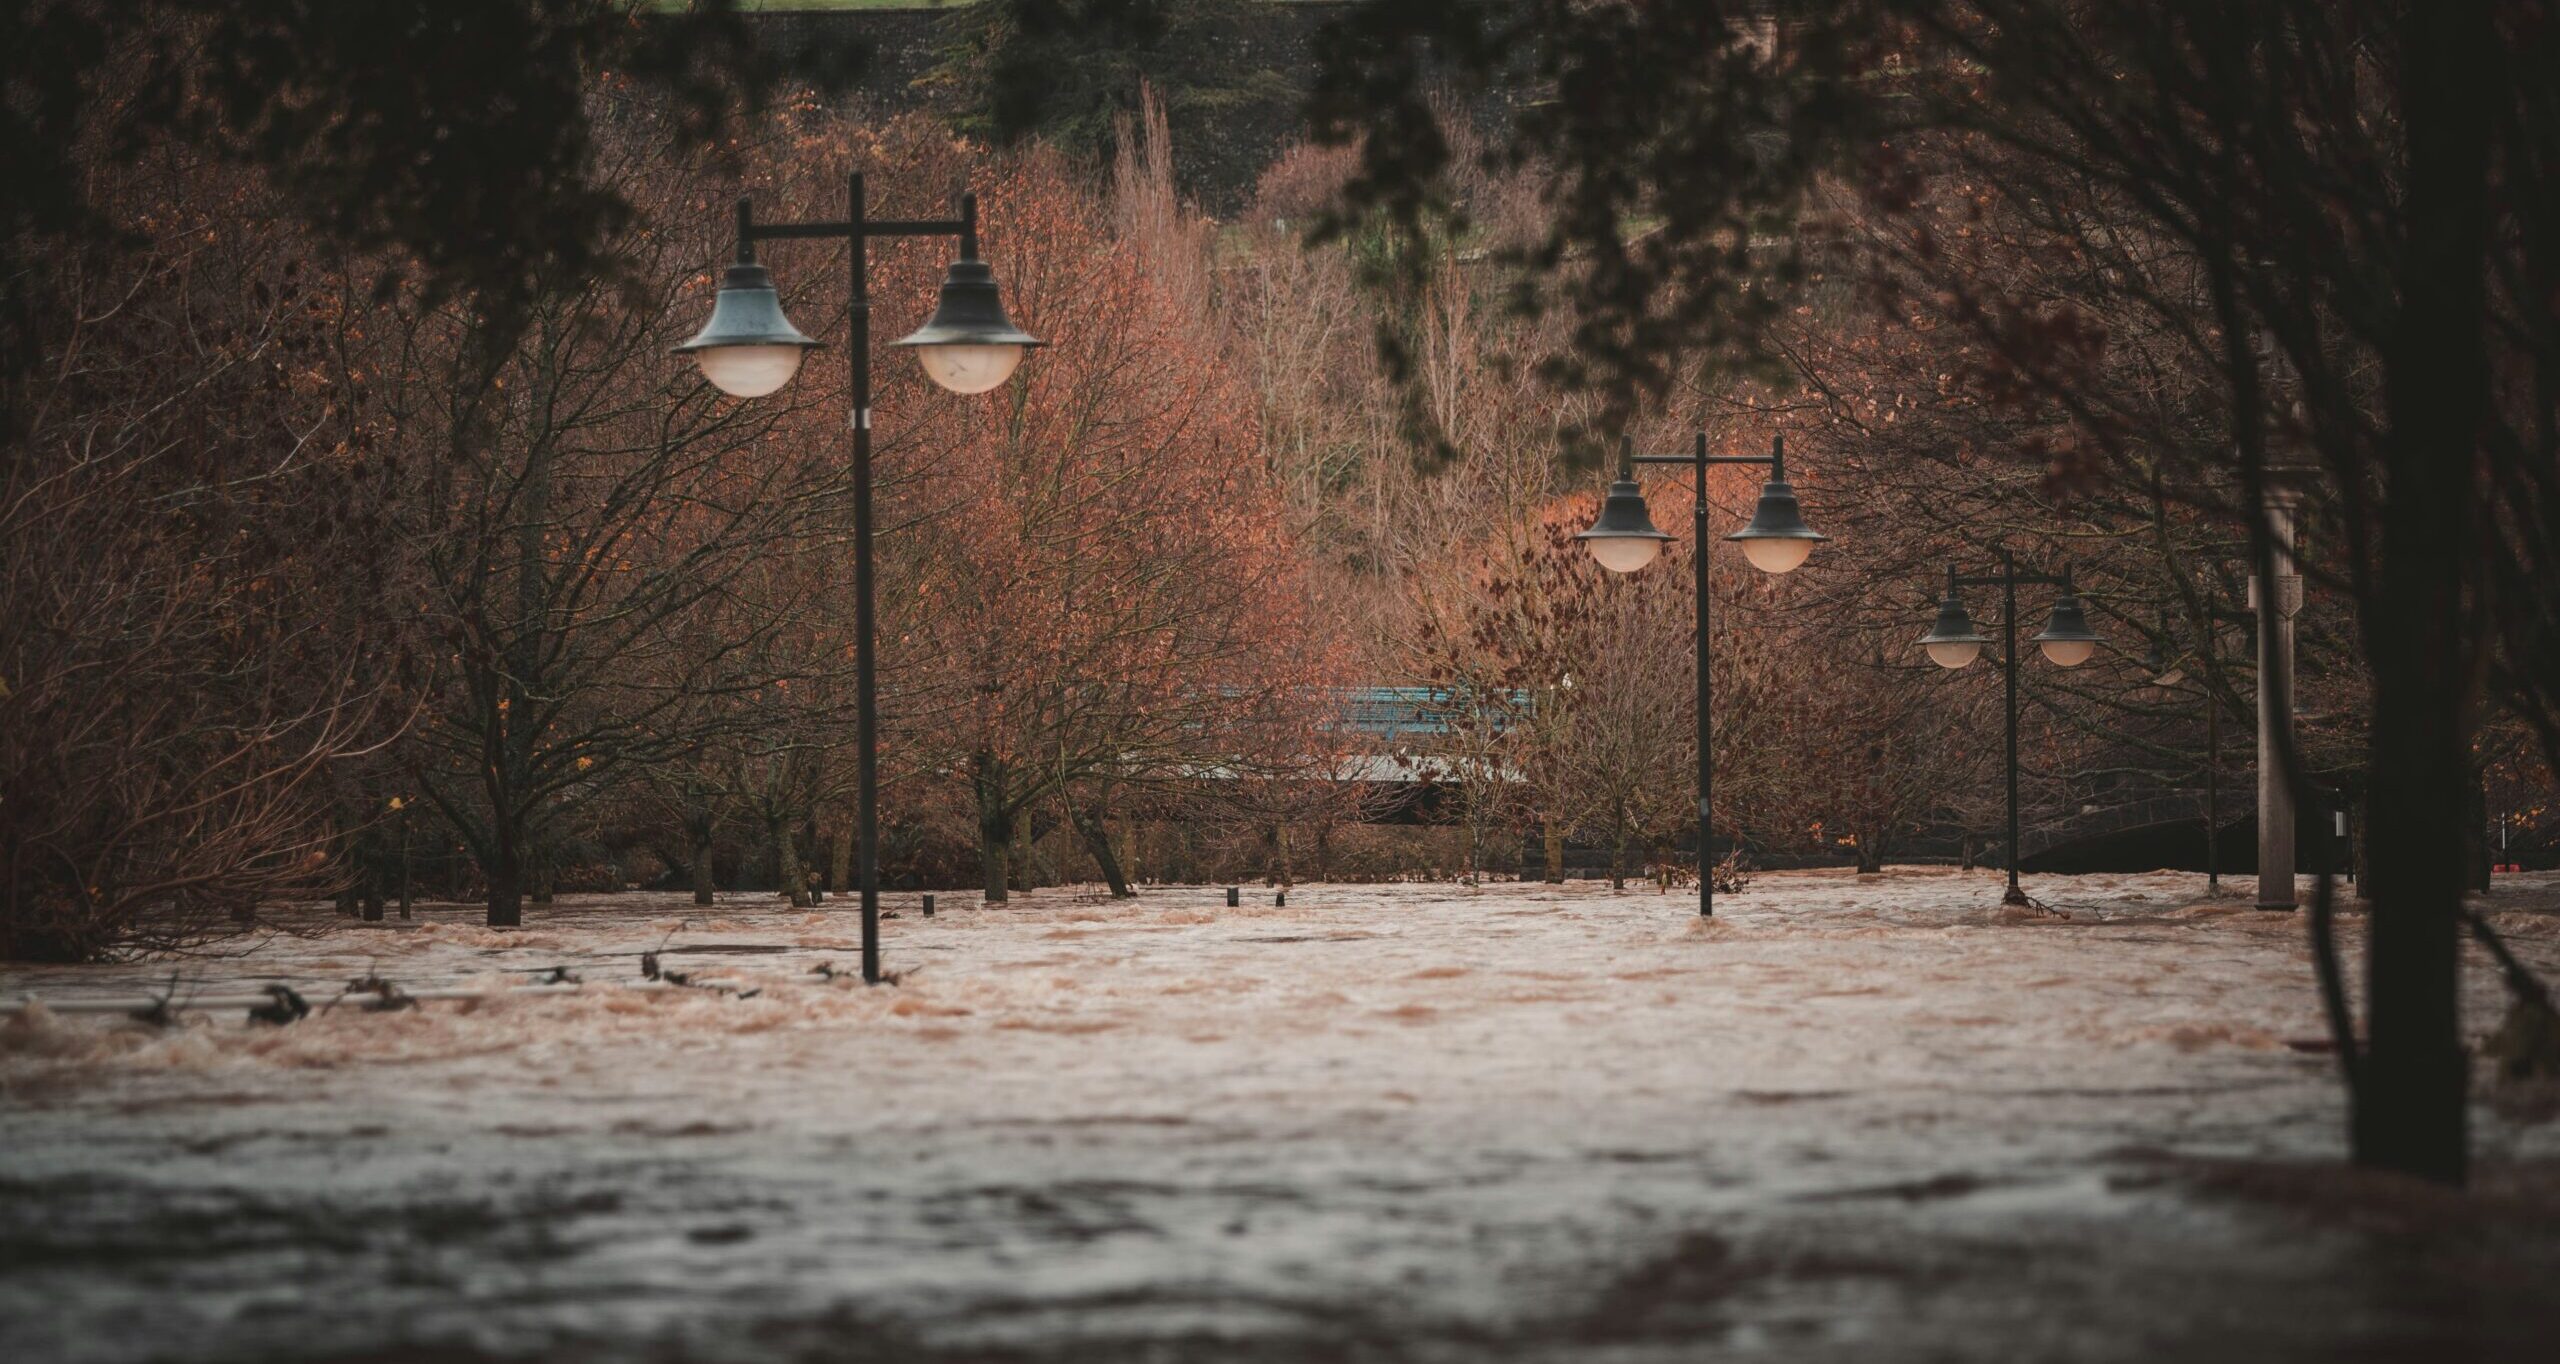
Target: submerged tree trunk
[840,860]
[813,880]
[994,855]
[705,883]
[510,735]
[1018,868]
[1187,850]
[995,825]
[1095,830]
[786,862]
[1618,851]
[505,868]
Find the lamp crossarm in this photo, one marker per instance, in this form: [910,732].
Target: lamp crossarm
[2007,579]
[859,228]
[935,227]
[1699,459]
[1692,461]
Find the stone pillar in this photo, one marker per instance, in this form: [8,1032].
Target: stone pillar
[2276,611]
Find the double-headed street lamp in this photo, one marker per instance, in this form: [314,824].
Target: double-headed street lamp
[749,349]
[2066,639]
[1776,541]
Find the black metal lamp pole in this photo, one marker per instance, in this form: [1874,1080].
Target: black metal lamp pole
[1776,541]
[749,349]
[2209,652]
[2212,787]
[404,856]
[2067,641]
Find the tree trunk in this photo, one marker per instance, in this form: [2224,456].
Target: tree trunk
[995,825]
[507,723]
[705,883]
[1095,830]
[786,863]
[993,855]
[1551,850]
[1870,854]
[1280,845]
[2409,1099]
[1018,868]
[840,860]
[505,869]
[1618,853]
[350,847]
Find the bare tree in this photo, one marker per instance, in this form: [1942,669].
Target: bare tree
[581,497]
[184,562]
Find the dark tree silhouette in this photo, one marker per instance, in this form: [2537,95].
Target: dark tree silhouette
[454,136]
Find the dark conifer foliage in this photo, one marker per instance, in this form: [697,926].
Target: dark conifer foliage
[455,134]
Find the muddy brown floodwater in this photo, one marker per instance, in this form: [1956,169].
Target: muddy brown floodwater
[1873,1119]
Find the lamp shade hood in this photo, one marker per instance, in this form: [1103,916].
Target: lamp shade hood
[747,313]
[2066,638]
[1952,642]
[969,314]
[1777,539]
[1624,538]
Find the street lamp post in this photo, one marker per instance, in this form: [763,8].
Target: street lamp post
[2165,673]
[2276,603]
[1777,541]
[2067,642]
[749,349]
[401,805]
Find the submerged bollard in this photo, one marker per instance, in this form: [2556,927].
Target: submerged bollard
[1280,899]
[928,904]
[1232,901]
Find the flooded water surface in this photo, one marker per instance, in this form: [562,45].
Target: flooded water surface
[1872,1119]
